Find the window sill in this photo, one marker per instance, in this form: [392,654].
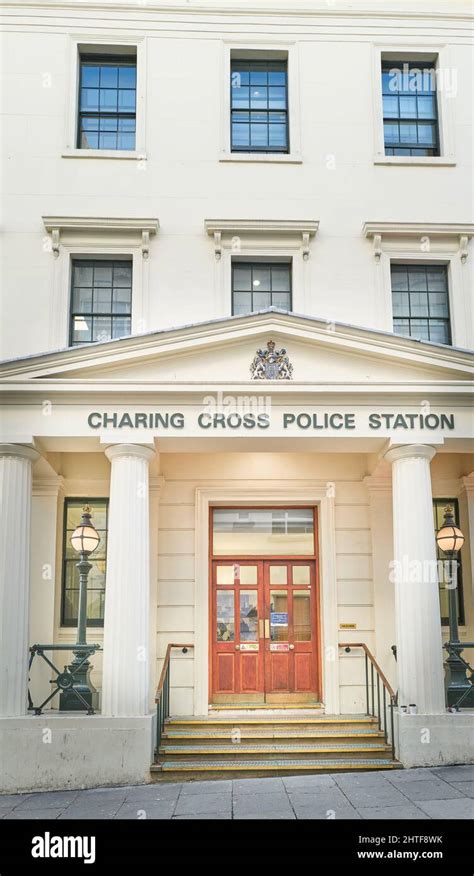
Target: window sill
[266,157]
[104,153]
[429,160]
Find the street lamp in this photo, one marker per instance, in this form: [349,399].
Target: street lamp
[450,540]
[84,540]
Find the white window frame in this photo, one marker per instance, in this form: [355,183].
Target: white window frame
[261,240]
[99,46]
[260,49]
[442,61]
[94,239]
[404,245]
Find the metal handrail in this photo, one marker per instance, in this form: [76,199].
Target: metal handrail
[372,689]
[162,696]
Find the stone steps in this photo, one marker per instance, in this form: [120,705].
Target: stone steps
[242,744]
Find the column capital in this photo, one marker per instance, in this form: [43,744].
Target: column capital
[410,451]
[114,451]
[19,450]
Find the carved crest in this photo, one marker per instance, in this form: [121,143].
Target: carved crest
[271,364]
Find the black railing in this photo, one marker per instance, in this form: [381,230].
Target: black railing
[454,650]
[380,698]
[162,698]
[64,680]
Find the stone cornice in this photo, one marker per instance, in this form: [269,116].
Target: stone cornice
[58,225]
[281,228]
[419,229]
[299,10]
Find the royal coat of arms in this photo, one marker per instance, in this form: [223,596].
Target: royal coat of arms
[271,364]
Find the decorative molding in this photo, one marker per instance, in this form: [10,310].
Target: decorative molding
[459,231]
[49,486]
[289,228]
[58,225]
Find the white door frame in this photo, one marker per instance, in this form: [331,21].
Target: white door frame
[310,493]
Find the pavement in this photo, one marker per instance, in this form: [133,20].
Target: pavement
[442,792]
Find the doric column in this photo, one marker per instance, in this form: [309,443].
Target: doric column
[16,462]
[417,611]
[379,488]
[125,678]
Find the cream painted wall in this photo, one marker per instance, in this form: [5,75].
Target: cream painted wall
[182,181]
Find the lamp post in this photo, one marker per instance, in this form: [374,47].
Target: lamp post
[85,539]
[450,540]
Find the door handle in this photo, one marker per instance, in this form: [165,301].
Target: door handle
[261,629]
[237,647]
[292,647]
[267,628]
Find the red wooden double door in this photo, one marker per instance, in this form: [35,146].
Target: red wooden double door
[265,631]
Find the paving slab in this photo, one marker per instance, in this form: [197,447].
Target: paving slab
[344,813]
[146,810]
[55,799]
[308,784]
[373,794]
[257,786]
[34,814]
[405,813]
[466,788]
[220,786]
[462,808]
[205,816]
[197,805]
[435,789]
[262,806]
[9,801]
[459,772]
[419,773]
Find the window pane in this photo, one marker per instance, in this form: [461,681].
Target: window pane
[278,575]
[240,135]
[419,329]
[437,279]
[439,331]
[126,100]
[390,132]
[127,77]
[426,134]
[102,300]
[407,133]
[263,532]
[419,304]
[279,615]
[248,616]
[301,616]
[399,278]
[82,300]
[277,135]
[259,135]
[401,327]
[89,99]
[81,330]
[248,575]
[242,302]
[301,575]
[426,108]
[225,616]
[281,300]
[242,277]
[108,100]
[108,77]
[281,279]
[277,98]
[400,304]
[122,300]
[101,330]
[390,107]
[408,107]
[417,279]
[121,326]
[89,76]
[102,275]
[438,304]
[225,575]
[261,300]
[261,279]
[96,577]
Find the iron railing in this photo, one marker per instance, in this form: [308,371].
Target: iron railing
[64,680]
[379,694]
[454,649]
[162,698]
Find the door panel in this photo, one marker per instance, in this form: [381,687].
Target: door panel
[264,631]
[236,649]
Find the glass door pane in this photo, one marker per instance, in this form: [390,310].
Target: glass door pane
[248,615]
[278,615]
[301,616]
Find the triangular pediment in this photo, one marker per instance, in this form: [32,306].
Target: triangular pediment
[222,351]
